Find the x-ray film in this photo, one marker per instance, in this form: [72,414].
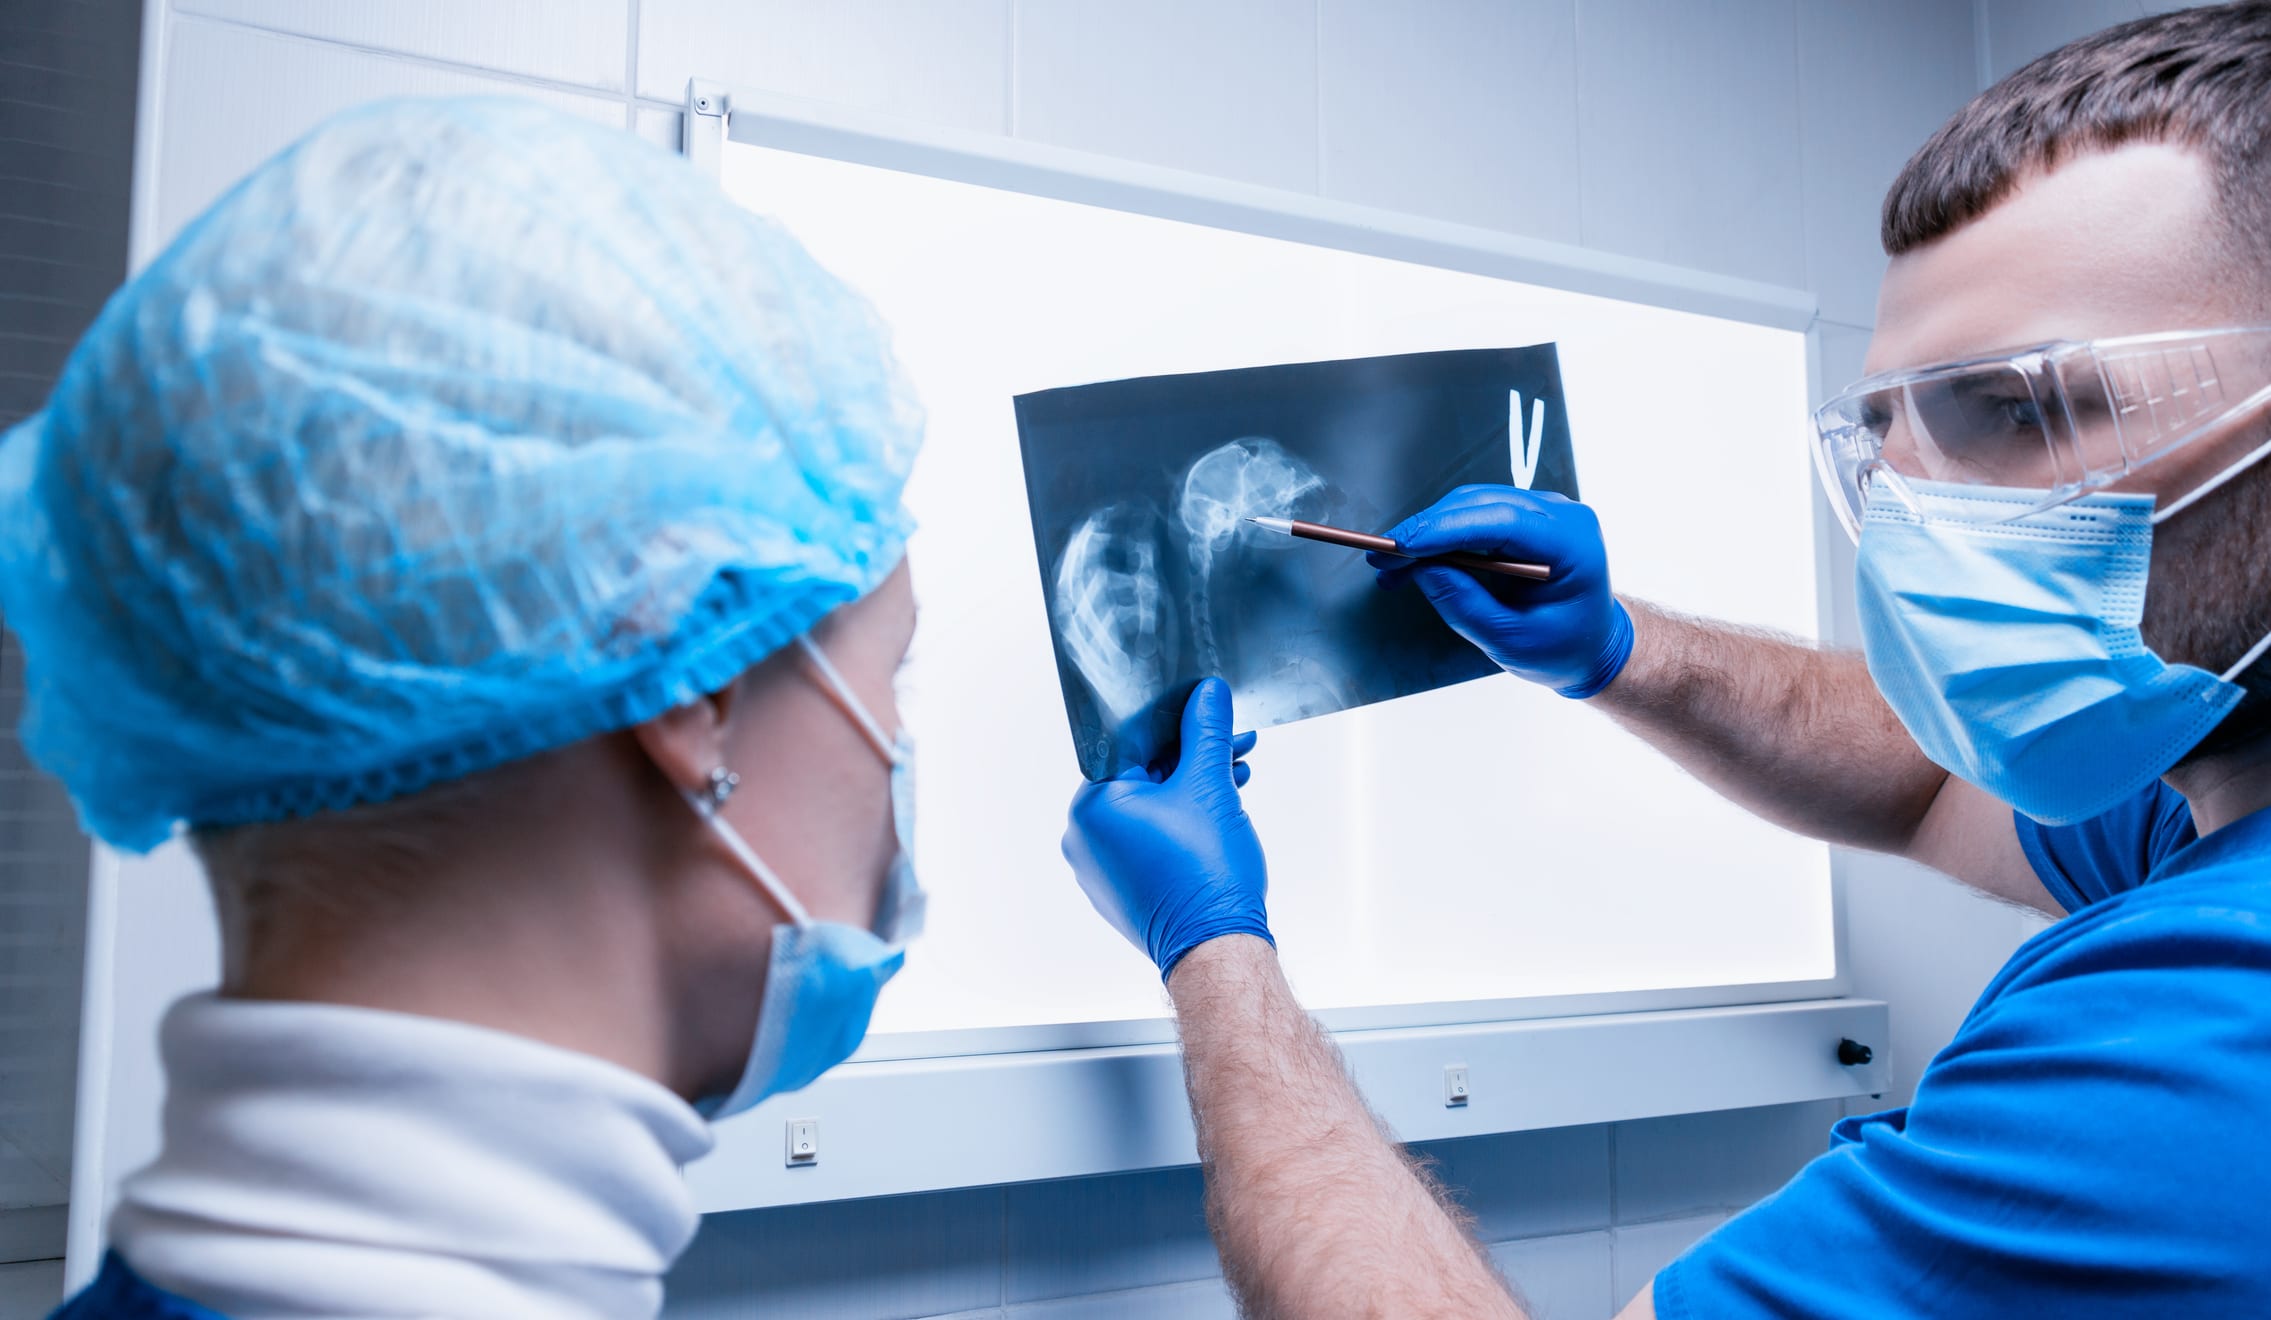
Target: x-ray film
[1141,490]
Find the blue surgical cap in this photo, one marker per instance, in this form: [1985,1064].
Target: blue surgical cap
[460,431]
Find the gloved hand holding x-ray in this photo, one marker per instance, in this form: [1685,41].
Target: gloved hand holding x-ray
[1143,491]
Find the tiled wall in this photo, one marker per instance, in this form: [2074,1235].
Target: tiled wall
[1750,137]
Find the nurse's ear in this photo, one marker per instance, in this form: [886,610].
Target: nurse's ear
[687,742]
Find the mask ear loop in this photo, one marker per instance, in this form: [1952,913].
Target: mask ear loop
[2254,653]
[2254,402]
[887,746]
[722,784]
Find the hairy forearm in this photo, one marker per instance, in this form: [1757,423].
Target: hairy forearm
[1316,1211]
[1796,734]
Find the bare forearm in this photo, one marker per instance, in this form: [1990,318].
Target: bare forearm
[1794,733]
[1315,1210]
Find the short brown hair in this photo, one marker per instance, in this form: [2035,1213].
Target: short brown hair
[2199,78]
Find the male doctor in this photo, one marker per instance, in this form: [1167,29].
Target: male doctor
[2064,585]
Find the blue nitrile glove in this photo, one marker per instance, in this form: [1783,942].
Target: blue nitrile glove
[1170,858]
[1568,633]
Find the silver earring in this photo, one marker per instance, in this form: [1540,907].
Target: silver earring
[722,784]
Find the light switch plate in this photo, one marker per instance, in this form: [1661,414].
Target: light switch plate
[803,1142]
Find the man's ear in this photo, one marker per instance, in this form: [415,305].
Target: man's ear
[687,742]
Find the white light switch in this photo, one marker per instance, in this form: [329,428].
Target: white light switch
[1455,1085]
[803,1141]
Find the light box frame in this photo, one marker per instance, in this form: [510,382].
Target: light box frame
[1781,1036]
[809,128]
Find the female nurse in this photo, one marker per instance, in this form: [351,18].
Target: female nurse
[482,539]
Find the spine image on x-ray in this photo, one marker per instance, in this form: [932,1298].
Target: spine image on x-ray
[1111,612]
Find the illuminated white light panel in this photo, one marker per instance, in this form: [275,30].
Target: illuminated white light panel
[1486,842]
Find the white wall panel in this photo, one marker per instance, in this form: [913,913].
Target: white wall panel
[31,1289]
[661,127]
[1488,86]
[1643,1249]
[1842,355]
[2015,31]
[1222,89]
[570,41]
[1133,1230]
[1874,81]
[940,61]
[1560,1278]
[2018,30]
[1687,117]
[1692,1164]
[1523,1184]
[902,1256]
[233,96]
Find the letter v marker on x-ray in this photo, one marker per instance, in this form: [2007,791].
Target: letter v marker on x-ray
[1524,442]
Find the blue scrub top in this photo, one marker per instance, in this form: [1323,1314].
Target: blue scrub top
[2093,1141]
[118,1293]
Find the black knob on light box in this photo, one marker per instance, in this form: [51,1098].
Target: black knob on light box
[1853,1053]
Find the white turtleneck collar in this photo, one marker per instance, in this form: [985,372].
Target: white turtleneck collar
[322,1160]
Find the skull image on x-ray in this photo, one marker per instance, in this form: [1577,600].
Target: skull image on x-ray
[1249,478]
[1142,491]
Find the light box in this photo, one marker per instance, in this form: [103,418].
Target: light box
[1465,855]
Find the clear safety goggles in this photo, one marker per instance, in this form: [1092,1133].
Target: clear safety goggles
[2064,419]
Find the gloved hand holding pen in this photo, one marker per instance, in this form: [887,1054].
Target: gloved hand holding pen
[1568,633]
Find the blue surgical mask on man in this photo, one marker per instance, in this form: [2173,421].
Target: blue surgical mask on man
[824,977]
[2010,647]
[2002,572]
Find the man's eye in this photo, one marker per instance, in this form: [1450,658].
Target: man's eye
[2018,414]
[1876,418]
[1988,417]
